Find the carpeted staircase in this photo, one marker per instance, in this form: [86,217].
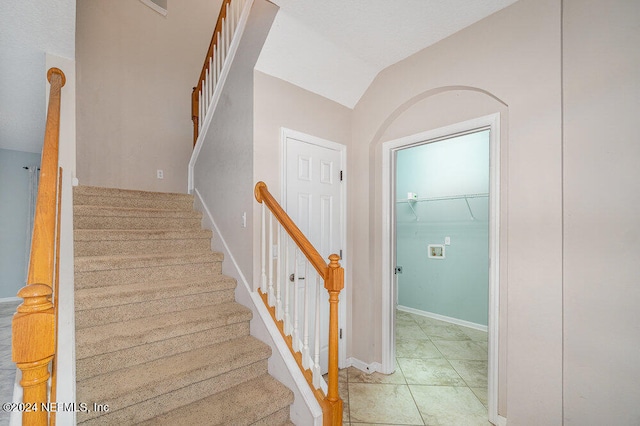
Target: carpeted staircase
[159,337]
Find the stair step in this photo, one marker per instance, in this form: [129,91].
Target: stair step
[214,368]
[97,242]
[101,217]
[128,193]
[261,401]
[112,337]
[179,202]
[148,268]
[116,295]
[114,314]
[112,361]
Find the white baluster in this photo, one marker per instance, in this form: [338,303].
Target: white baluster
[287,293]
[295,335]
[223,50]
[279,313]
[214,58]
[227,28]
[205,98]
[263,242]
[271,298]
[207,85]
[306,358]
[232,18]
[317,376]
[212,80]
[200,115]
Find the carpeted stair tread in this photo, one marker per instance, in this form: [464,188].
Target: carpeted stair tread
[172,202]
[111,337]
[148,308]
[244,404]
[108,211]
[102,297]
[111,361]
[139,234]
[128,193]
[110,262]
[135,384]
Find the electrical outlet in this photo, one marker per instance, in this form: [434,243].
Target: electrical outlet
[160,174]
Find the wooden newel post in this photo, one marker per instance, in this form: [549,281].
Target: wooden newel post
[334,283]
[33,347]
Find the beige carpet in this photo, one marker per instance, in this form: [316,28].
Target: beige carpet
[159,337]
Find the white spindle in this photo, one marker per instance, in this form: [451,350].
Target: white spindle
[271,298]
[227,28]
[305,315]
[214,65]
[207,83]
[296,276]
[223,51]
[279,313]
[317,376]
[263,242]
[287,293]
[200,114]
[212,82]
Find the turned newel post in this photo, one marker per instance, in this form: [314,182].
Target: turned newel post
[33,331]
[334,283]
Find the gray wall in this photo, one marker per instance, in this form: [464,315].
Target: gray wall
[14,208]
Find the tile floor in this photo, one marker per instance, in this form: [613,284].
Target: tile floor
[7,367]
[440,378]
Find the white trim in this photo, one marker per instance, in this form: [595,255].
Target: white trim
[363,366]
[389,285]
[502,421]
[444,318]
[66,358]
[257,305]
[162,11]
[286,133]
[204,128]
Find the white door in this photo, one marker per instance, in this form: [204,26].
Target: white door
[313,199]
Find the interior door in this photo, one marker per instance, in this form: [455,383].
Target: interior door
[313,192]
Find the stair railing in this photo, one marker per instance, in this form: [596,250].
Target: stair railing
[292,311]
[34,324]
[202,95]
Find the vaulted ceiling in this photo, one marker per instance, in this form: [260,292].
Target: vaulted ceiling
[335,48]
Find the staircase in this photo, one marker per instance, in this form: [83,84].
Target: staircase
[159,337]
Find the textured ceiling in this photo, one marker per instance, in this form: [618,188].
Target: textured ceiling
[28,29]
[335,48]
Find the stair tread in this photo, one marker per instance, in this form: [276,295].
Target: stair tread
[140,382]
[99,297]
[243,404]
[111,337]
[129,193]
[139,234]
[113,211]
[109,262]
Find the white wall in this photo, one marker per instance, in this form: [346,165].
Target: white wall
[14,208]
[601,205]
[136,70]
[508,63]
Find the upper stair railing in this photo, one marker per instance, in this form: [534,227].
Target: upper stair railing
[210,76]
[291,307]
[34,326]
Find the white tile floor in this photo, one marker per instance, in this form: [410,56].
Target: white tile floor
[440,379]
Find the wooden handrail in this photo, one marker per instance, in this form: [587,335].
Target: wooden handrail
[263,195]
[214,41]
[333,275]
[34,324]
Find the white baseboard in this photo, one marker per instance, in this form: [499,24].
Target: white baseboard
[363,366]
[443,318]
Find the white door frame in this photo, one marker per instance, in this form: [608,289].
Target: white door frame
[303,137]
[389,284]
